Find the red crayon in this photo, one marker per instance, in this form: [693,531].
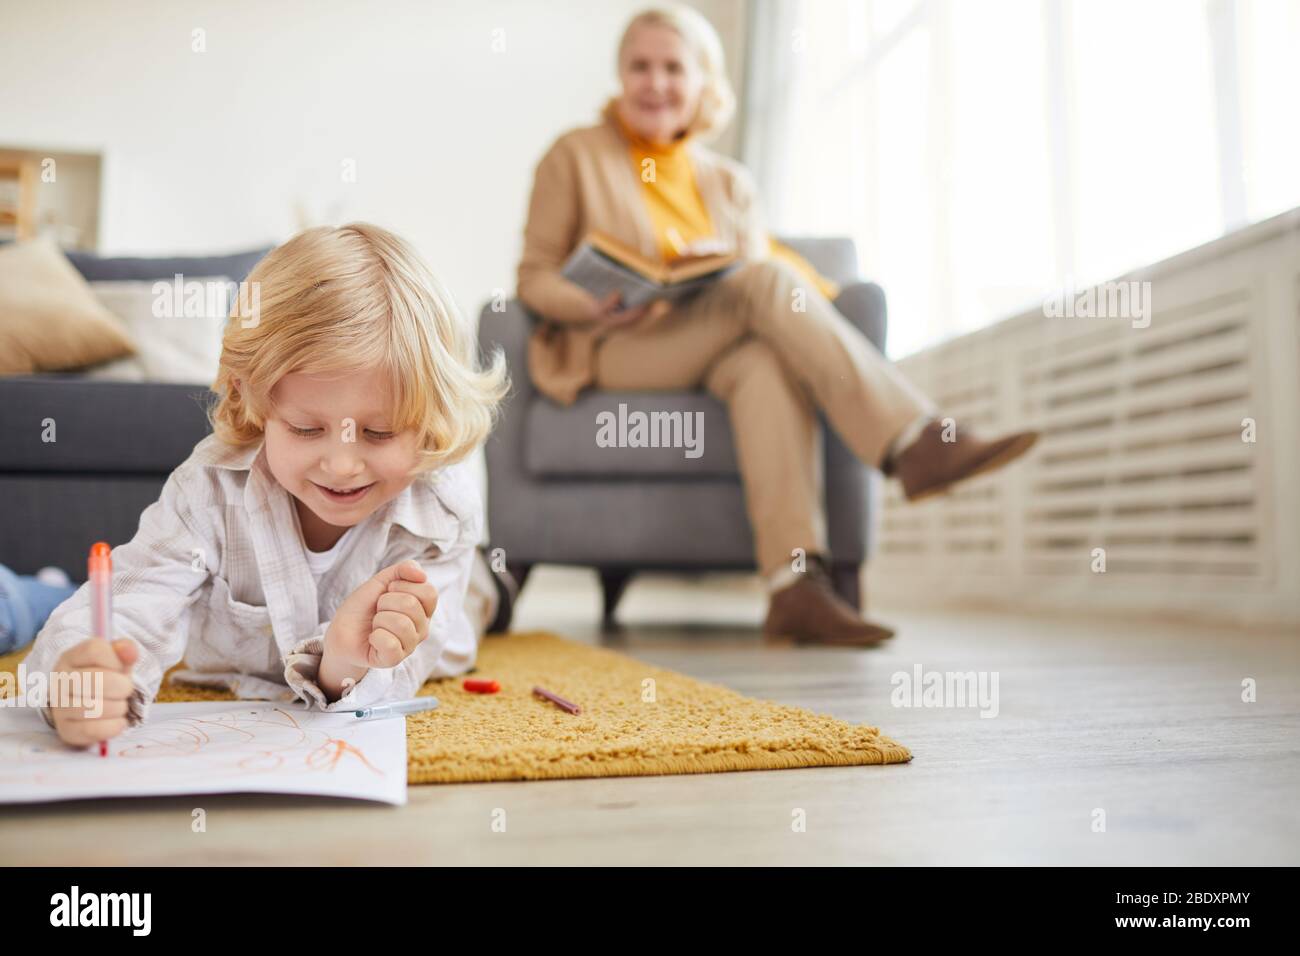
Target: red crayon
[557,700]
[475,686]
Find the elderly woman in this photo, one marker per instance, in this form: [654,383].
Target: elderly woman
[766,338]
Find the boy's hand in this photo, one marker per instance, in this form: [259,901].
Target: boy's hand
[96,707]
[382,622]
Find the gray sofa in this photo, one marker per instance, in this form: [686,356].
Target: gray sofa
[555,496]
[115,442]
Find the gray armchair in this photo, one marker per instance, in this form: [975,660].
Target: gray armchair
[555,496]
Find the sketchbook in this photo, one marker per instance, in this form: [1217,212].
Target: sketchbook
[209,747]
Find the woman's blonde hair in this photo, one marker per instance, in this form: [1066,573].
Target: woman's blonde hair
[717,101]
[354,298]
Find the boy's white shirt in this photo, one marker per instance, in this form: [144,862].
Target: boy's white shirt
[252,622]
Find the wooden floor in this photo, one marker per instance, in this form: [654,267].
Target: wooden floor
[1141,720]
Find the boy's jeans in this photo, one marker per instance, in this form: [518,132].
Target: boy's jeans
[25,604]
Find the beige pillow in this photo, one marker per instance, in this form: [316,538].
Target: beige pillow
[49,318]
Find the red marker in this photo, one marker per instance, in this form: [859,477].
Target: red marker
[99,570]
[476,686]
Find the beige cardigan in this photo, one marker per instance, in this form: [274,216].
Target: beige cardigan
[588,181]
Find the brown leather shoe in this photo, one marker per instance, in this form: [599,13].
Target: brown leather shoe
[930,465]
[810,612]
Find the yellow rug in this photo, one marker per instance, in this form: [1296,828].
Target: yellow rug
[636,720]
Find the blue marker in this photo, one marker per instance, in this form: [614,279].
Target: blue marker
[400,709]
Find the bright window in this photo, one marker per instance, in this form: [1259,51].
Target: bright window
[983,154]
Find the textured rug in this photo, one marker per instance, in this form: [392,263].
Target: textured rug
[636,720]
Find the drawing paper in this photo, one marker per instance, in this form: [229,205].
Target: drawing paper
[209,747]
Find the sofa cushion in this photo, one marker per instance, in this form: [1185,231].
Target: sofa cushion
[66,423]
[49,318]
[612,434]
[99,269]
[177,334]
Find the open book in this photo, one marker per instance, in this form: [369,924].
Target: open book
[602,264]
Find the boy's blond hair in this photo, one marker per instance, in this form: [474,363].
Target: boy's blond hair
[717,101]
[347,299]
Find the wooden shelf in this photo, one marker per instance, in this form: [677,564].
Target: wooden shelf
[19,211]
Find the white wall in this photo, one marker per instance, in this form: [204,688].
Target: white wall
[208,152]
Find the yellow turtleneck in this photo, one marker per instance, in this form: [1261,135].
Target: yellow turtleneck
[677,211]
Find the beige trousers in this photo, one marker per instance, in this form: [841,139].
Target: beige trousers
[769,345]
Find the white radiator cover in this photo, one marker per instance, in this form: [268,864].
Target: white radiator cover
[1142,453]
